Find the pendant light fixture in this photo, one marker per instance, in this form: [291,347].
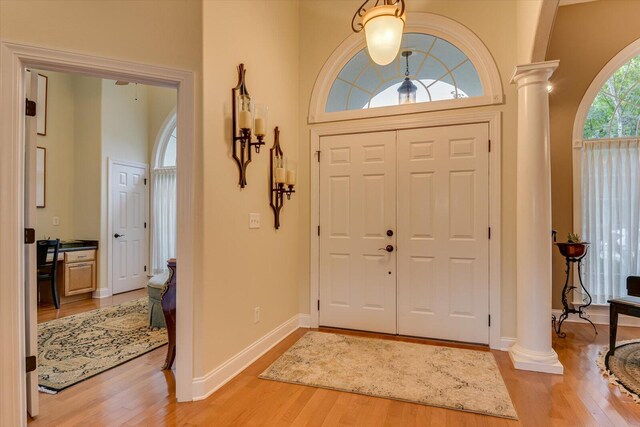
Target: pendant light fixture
[383,24]
[407,90]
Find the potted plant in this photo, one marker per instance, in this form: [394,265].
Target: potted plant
[574,247]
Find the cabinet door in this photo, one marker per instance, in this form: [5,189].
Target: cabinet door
[79,277]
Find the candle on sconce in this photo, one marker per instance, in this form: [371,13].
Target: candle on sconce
[260,127]
[260,124]
[280,174]
[291,178]
[244,119]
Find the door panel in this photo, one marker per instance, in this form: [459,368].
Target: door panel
[443,220]
[357,207]
[30,263]
[129,210]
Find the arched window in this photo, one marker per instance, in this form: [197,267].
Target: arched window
[615,112]
[163,193]
[607,170]
[448,64]
[439,70]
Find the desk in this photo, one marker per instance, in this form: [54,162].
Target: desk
[76,272]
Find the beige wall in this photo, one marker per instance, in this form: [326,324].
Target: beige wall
[87,156]
[585,37]
[60,152]
[325,24]
[161,102]
[246,268]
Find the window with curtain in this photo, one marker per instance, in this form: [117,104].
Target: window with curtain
[164,200]
[610,179]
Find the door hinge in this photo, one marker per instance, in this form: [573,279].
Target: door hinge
[29,236]
[145,225]
[318,154]
[145,181]
[145,268]
[489,145]
[318,305]
[318,230]
[31,363]
[489,233]
[30,108]
[489,320]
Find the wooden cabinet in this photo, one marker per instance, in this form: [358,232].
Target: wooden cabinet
[80,272]
[79,277]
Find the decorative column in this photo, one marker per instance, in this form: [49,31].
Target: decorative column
[533,350]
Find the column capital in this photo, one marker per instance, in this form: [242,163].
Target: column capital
[537,72]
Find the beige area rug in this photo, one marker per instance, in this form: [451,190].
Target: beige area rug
[74,348]
[465,380]
[623,368]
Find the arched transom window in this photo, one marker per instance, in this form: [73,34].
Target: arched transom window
[615,112]
[167,155]
[438,69]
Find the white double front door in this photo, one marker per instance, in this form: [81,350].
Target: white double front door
[404,242]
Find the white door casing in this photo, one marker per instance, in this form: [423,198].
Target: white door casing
[128,232]
[357,207]
[30,262]
[443,242]
[14,58]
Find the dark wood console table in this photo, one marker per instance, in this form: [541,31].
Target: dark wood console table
[168,298]
[627,305]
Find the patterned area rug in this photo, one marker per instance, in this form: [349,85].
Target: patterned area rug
[74,348]
[465,380]
[623,369]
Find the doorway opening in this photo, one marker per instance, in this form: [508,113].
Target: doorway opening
[19,306]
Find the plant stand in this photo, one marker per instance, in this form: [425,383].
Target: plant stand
[566,290]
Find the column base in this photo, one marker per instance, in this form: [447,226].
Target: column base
[528,360]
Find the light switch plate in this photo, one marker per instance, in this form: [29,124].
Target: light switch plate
[56,220]
[254,220]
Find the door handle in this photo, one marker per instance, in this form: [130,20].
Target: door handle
[388,248]
[118,235]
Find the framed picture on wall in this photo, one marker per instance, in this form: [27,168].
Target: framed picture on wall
[41,102]
[41,176]
[41,111]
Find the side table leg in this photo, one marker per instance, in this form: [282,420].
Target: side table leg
[613,328]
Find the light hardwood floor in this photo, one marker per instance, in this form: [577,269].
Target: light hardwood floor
[48,312]
[138,393]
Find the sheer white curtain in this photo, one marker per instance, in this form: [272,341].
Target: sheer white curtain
[610,215]
[164,215]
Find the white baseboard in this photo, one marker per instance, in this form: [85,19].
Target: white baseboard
[506,343]
[203,387]
[600,316]
[101,293]
[305,320]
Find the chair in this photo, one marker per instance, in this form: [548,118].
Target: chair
[47,270]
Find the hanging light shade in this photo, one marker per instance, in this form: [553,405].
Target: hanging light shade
[383,25]
[407,90]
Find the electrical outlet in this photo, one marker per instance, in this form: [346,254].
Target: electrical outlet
[254,220]
[256,315]
[56,220]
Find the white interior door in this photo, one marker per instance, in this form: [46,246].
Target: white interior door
[129,240]
[443,242]
[30,263]
[357,207]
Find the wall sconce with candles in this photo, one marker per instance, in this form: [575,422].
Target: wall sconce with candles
[246,118]
[282,177]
